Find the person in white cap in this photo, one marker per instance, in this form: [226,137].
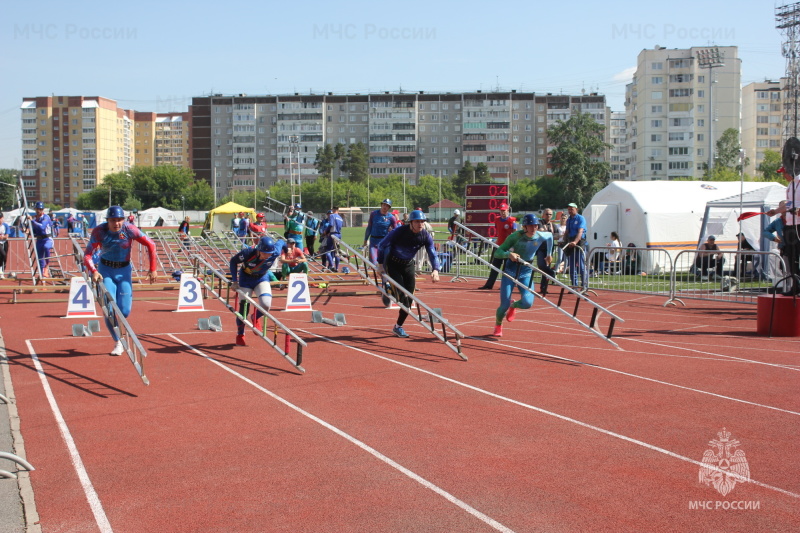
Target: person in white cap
[451,226]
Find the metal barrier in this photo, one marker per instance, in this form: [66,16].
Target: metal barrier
[428,321]
[739,276]
[220,288]
[626,273]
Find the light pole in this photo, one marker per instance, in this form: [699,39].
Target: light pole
[709,58]
[183,204]
[215,186]
[404,191]
[439,209]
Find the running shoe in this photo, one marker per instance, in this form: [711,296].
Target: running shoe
[400,332]
[240,340]
[118,349]
[512,313]
[498,331]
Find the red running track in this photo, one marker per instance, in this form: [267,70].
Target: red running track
[546,429]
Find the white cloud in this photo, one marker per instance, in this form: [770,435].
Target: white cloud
[625,76]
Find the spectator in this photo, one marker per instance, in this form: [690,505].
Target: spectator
[56,224]
[183,232]
[43,231]
[743,258]
[574,241]
[451,226]
[380,223]
[258,228]
[706,259]
[311,232]
[546,225]
[4,231]
[613,255]
[293,260]
[774,232]
[504,226]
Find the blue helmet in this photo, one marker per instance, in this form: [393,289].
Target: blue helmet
[298,207]
[530,220]
[266,245]
[38,205]
[416,215]
[115,211]
[345,270]
[387,202]
[176,275]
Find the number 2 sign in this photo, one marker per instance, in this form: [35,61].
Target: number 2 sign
[299,297]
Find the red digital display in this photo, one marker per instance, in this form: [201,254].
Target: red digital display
[484,204]
[480,217]
[484,189]
[490,232]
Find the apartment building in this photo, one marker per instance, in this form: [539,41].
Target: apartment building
[677,106]
[241,142]
[620,149]
[550,109]
[762,121]
[69,143]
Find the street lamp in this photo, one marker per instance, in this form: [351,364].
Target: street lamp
[183,204]
[710,58]
[439,209]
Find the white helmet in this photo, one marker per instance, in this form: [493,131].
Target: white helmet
[456,212]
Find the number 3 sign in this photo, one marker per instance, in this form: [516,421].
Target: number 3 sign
[190,298]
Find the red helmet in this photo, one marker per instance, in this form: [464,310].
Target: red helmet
[241,215]
[260,215]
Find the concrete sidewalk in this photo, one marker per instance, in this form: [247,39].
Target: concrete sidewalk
[12,508]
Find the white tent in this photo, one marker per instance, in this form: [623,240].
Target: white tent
[149,218]
[658,214]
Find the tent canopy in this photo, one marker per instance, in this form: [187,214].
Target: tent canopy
[659,214]
[219,218]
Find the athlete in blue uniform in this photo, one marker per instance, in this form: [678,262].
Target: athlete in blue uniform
[43,232]
[396,254]
[113,241]
[334,229]
[254,278]
[381,222]
[522,245]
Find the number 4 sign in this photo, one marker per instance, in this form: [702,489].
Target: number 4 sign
[81,299]
[189,298]
[299,297]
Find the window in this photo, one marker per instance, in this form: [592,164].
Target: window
[657,80]
[655,166]
[656,138]
[656,95]
[657,123]
[657,109]
[679,150]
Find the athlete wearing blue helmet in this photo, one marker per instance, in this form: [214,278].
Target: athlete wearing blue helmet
[416,215]
[250,272]
[387,202]
[38,205]
[266,245]
[521,246]
[530,220]
[115,211]
[298,207]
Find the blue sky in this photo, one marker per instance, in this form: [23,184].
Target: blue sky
[156,56]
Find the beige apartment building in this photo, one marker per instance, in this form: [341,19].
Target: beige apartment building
[69,143]
[762,121]
[677,106]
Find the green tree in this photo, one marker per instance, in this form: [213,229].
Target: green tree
[523,196]
[728,149]
[482,174]
[577,158]
[465,176]
[325,161]
[356,163]
[769,166]
[9,177]
[550,193]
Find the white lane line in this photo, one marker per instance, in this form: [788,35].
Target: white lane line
[653,380]
[787,367]
[550,413]
[88,489]
[375,453]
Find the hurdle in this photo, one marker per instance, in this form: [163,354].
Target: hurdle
[597,310]
[429,320]
[218,285]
